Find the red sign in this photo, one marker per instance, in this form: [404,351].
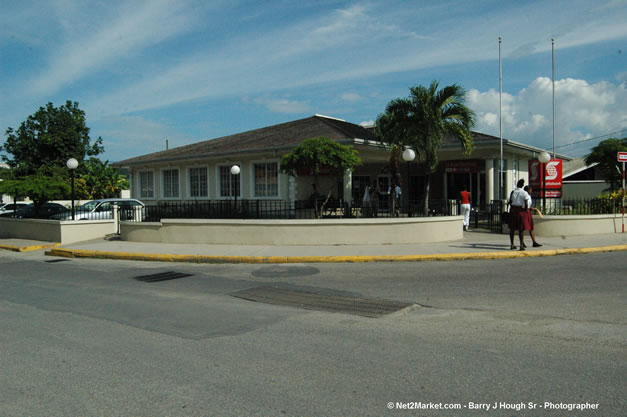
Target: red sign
[552,174]
[622,157]
[537,193]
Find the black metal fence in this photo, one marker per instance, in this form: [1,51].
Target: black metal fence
[579,206]
[491,217]
[278,209]
[309,209]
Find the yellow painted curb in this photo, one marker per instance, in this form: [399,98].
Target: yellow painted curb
[80,253]
[16,248]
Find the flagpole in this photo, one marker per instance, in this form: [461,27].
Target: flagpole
[553,61]
[500,122]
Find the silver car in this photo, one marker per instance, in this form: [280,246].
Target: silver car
[11,207]
[103,209]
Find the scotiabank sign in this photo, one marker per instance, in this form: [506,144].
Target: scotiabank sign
[461,166]
[552,175]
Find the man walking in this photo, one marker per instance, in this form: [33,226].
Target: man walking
[519,201]
[465,206]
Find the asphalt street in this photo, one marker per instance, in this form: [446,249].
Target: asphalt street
[84,337]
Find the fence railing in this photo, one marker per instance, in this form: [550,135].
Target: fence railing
[579,206]
[312,209]
[278,209]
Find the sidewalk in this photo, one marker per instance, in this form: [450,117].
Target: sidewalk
[474,245]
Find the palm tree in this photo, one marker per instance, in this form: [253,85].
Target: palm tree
[421,121]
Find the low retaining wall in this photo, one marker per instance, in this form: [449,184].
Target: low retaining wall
[378,231]
[56,230]
[577,225]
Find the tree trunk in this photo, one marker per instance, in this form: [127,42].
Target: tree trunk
[427,191]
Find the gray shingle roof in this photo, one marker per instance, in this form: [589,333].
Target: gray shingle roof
[284,135]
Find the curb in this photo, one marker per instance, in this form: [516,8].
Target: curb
[212,259]
[16,248]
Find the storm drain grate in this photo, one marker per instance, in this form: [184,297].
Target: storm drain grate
[163,276]
[321,302]
[54,261]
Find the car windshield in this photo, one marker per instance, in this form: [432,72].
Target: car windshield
[89,206]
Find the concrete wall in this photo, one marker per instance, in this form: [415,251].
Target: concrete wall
[54,230]
[577,225]
[297,232]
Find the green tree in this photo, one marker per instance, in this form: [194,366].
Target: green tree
[6,173]
[48,138]
[316,154]
[423,119]
[606,155]
[102,180]
[39,188]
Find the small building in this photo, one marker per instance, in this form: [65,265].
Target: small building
[581,180]
[202,170]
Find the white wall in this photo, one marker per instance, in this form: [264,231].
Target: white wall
[55,230]
[297,232]
[577,225]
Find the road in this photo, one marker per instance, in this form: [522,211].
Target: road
[85,338]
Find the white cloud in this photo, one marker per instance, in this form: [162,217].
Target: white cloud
[91,44]
[596,109]
[367,123]
[351,97]
[128,136]
[283,105]
[338,45]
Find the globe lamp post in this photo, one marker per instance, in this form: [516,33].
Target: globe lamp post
[544,157]
[408,156]
[72,164]
[235,170]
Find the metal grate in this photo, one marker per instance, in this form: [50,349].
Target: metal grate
[54,261]
[163,276]
[321,302]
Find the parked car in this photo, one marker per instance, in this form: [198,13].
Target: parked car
[46,211]
[103,209]
[11,207]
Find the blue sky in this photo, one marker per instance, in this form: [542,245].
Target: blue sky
[147,71]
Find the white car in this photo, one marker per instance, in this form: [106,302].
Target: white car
[103,209]
[11,207]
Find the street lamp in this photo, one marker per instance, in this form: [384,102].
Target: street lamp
[408,156]
[72,164]
[544,157]
[235,170]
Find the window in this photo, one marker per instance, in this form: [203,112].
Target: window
[171,183]
[198,182]
[267,180]
[146,189]
[229,183]
[359,187]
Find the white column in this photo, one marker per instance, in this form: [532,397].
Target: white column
[348,185]
[489,177]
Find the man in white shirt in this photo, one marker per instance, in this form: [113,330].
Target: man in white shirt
[519,201]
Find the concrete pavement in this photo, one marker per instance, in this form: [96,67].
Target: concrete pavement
[475,244]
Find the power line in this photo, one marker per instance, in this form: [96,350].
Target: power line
[589,139]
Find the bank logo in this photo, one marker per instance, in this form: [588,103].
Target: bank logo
[534,171]
[551,170]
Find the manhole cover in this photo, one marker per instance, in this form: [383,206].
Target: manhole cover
[163,276]
[321,302]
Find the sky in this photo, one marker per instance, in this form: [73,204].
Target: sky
[147,71]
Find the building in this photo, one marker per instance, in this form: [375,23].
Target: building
[581,180]
[202,171]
